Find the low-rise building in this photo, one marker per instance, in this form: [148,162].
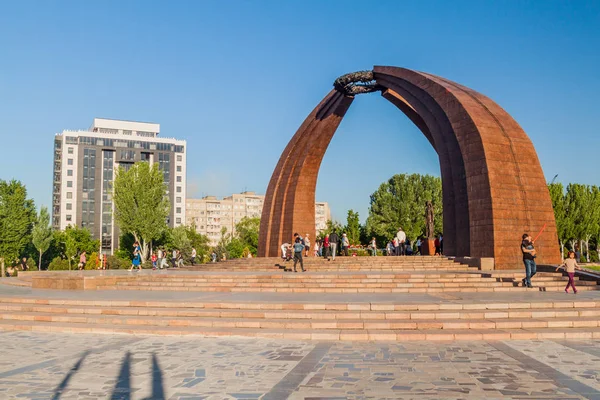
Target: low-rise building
[210,214]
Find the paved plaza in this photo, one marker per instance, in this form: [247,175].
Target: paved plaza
[86,366]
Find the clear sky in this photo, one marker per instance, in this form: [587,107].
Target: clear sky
[237,78]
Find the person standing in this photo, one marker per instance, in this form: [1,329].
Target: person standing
[82,260]
[326,245]
[373,247]
[306,245]
[213,257]
[298,249]
[334,239]
[160,258]
[529,255]
[345,244]
[419,246]
[436,243]
[570,265]
[154,261]
[401,238]
[194,254]
[174,258]
[441,244]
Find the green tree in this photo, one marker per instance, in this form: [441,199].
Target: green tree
[584,212]
[330,227]
[400,202]
[352,228]
[73,241]
[181,241]
[141,203]
[247,232]
[42,234]
[17,215]
[199,242]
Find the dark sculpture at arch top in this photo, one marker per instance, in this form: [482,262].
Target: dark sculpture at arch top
[492,182]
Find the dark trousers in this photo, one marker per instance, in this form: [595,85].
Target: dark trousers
[345,250]
[174,262]
[397,251]
[571,281]
[193,260]
[298,257]
[325,252]
[530,270]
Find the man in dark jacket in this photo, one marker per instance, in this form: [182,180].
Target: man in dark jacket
[334,239]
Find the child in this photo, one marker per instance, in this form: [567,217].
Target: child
[570,265]
[154,260]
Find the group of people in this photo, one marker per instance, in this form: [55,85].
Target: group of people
[160,258]
[569,265]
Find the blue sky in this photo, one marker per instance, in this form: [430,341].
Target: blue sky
[237,78]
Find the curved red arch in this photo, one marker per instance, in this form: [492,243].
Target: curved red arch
[493,185]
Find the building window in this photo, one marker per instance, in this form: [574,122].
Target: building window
[127,155]
[179,157]
[70,150]
[179,168]
[69,195]
[69,206]
[178,220]
[179,179]
[69,183]
[178,210]
[178,189]
[70,161]
[69,218]
[178,200]
[69,172]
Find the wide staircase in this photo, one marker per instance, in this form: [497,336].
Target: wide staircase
[383,298]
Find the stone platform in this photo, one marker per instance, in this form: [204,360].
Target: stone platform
[418,298]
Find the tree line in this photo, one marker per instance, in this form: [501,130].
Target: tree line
[577,214]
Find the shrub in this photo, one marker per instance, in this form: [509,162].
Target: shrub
[93,262]
[114,262]
[58,264]
[594,256]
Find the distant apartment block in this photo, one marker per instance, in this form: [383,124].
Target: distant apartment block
[84,169]
[210,214]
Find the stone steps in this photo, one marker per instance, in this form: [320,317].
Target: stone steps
[318,321]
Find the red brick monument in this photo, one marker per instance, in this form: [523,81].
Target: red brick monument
[493,185]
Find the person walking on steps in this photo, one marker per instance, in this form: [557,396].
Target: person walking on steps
[137,257]
[570,265]
[298,249]
[194,254]
[334,239]
[528,259]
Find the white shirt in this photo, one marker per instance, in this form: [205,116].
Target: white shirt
[401,236]
[194,253]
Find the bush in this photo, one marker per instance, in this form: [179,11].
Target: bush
[58,264]
[114,262]
[93,262]
[32,264]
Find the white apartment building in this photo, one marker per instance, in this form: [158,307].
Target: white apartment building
[210,214]
[84,169]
